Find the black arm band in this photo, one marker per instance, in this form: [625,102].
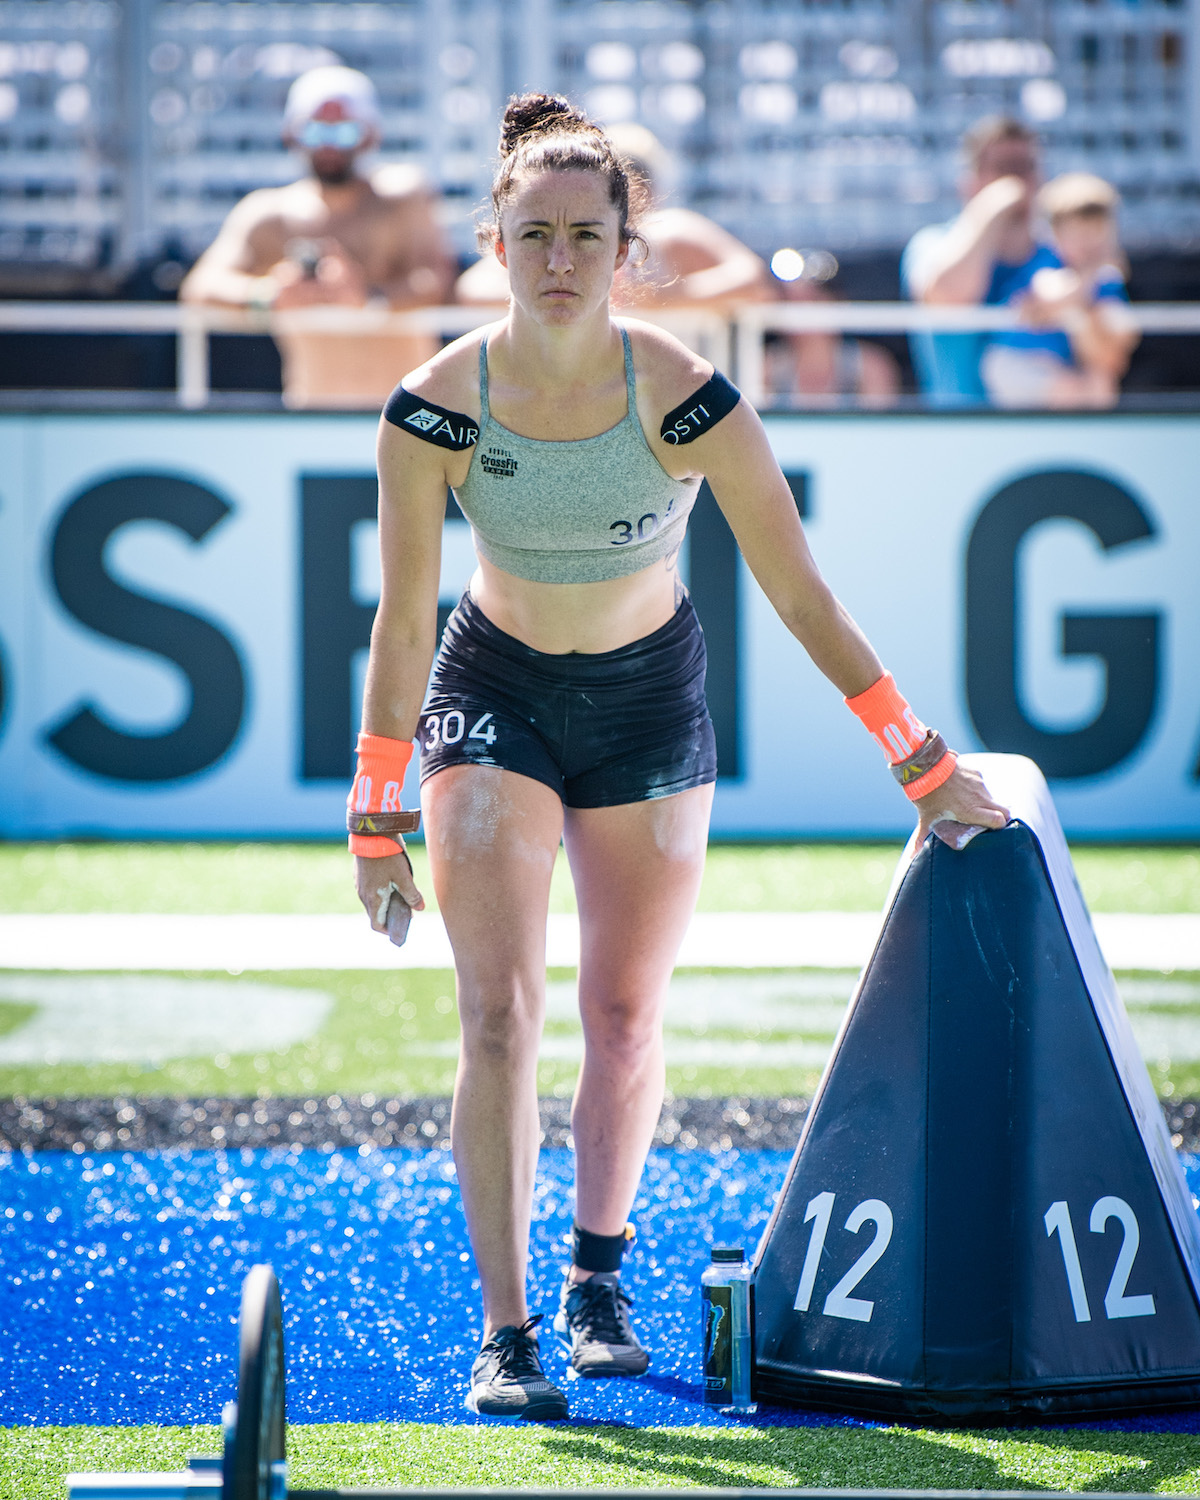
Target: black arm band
[434,424]
[714,400]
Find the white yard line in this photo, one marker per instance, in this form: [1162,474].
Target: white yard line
[734,940]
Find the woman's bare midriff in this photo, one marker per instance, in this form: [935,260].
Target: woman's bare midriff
[558,618]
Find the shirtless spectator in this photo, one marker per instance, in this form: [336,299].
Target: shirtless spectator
[335,238]
[691,262]
[984,257]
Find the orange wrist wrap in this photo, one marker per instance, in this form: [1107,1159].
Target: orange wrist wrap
[888,719]
[932,779]
[902,737]
[376,788]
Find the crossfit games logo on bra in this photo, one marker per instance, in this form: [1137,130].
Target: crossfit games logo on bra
[498,461]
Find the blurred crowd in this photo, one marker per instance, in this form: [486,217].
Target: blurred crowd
[346,235]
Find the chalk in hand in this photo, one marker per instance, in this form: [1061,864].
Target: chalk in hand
[957,835]
[399,915]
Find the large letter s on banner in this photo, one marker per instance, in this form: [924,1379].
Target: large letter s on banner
[202,652]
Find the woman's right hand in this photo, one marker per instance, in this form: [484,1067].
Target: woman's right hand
[959,809]
[375,879]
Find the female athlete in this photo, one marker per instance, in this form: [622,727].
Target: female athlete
[568,704]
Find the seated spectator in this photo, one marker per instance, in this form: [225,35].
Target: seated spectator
[335,238]
[691,262]
[1080,307]
[825,368]
[985,256]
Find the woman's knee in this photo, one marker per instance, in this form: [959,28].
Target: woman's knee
[501,1021]
[627,1029]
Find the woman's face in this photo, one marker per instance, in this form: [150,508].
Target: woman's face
[560,240]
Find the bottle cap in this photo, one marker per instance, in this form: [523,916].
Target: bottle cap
[728,1252]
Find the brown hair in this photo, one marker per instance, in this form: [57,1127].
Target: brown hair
[546,133]
[990,131]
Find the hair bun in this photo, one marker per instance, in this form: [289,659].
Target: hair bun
[537,114]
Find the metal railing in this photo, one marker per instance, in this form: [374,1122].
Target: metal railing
[754,322]
[735,344]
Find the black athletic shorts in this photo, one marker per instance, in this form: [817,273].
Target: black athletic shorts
[599,728]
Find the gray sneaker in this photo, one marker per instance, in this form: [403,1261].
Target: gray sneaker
[507,1379]
[592,1322]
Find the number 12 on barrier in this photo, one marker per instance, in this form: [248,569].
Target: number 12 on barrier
[1116,1303]
[839,1303]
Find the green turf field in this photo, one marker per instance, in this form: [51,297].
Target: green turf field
[316,878]
[33,1461]
[394,1034]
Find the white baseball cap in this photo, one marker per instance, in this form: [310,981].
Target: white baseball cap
[353,90]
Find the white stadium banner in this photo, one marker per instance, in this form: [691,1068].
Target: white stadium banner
[185,602]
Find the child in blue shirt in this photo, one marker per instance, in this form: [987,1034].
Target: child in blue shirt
[1072,296]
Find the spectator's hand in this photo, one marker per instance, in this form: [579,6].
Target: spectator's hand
[374,879]
[342,278]
[1054,293]
[1003,203]
[339,281]
[296,287]
[960,808]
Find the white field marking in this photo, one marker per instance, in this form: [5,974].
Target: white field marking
[1165,941]
[151,1019]
[97,941]
[1166,1039]
[803,1011]
[680,1052]
[803,1004]
[719,940]
[1159,992]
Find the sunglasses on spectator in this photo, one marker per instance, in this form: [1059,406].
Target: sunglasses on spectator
[344,135]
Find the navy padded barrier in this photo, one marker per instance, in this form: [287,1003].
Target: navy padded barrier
[984,1220]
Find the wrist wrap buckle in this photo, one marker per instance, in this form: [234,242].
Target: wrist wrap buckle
[387,825]
[928,756]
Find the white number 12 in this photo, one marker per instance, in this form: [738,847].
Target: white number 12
[839,1303]
[1116,1303]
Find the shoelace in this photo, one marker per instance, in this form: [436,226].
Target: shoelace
[600,1309]
[519,1356]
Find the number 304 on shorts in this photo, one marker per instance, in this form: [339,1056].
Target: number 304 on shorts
[452,727]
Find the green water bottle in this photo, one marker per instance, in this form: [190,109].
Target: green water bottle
[727,1299]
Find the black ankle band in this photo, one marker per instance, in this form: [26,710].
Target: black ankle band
[597,1252]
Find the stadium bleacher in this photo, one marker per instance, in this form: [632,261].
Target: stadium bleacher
[129,127]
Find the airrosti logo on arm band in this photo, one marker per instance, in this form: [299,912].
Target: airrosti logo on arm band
[382,763]
[715,399]
[431,423]
[919,757]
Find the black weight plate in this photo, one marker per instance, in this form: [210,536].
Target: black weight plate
[259,1441]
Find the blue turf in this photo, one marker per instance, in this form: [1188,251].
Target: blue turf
[120,1276]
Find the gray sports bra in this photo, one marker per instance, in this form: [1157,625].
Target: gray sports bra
[576,511]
